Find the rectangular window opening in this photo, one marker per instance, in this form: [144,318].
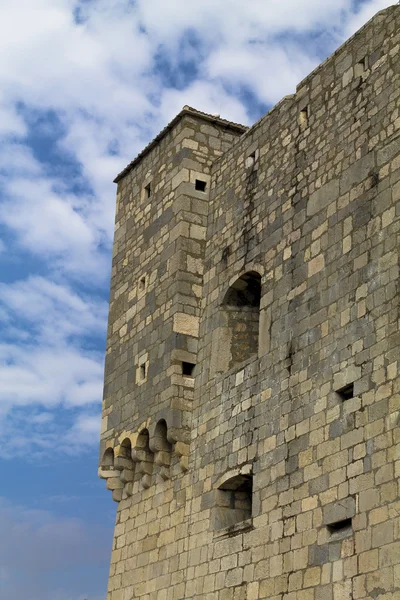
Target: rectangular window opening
[340,526]
[200,185]
[142,372]
[188,369]
[361,67]
[346,392]
[147,190]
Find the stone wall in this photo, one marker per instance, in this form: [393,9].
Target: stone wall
[290,486]
[156,287]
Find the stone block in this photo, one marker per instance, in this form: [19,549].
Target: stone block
[186,324]
[322,197]
[357,172]
[339,511]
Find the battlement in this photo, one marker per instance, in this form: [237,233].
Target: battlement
[251,400]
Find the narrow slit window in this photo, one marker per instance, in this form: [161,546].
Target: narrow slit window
[251,161]
[346,392]
[361,67]
[188,369]
[303,117]
[344,526]
[147,190]
[142,371]
[142,284]
[200,185]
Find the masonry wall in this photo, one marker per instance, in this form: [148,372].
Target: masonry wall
[153,328]
[309,199]
[232,485]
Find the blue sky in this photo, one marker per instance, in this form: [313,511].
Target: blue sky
[84,85]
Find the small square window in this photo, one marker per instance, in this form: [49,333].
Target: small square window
[200,185]
[346,392]
[147,190]
[188,369]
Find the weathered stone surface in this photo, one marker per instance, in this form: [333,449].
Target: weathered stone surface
[186,324]
[322,197]
[339,511]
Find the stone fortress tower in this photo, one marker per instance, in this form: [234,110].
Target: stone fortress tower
[251,415]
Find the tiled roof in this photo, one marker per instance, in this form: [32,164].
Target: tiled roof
[186,110]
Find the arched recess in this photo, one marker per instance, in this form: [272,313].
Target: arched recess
[161,443]
[238,331]
[162,448]
[143,456]
[124,463]
[123,453]
[233,501]
[107,461]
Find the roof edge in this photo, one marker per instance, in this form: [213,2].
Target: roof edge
[186,110]
[303,83]
[216,119]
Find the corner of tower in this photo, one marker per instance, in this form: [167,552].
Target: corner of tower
[163,201]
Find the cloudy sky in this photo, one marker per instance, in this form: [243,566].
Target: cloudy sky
[84,85]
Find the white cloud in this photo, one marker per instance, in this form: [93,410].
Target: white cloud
[212,98]
[48,219]
[256,65]
[41,418]
[16,158]
[48,377]
[85,431]
[49,400]
[53,310]
[233,19]
[366,12]
[46,365]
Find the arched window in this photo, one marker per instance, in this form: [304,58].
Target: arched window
[162,448]
[125,450]
[144,457]
[142,442]
[161,443]
[233,503]
[107,462]
[123,462]
[241,307]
